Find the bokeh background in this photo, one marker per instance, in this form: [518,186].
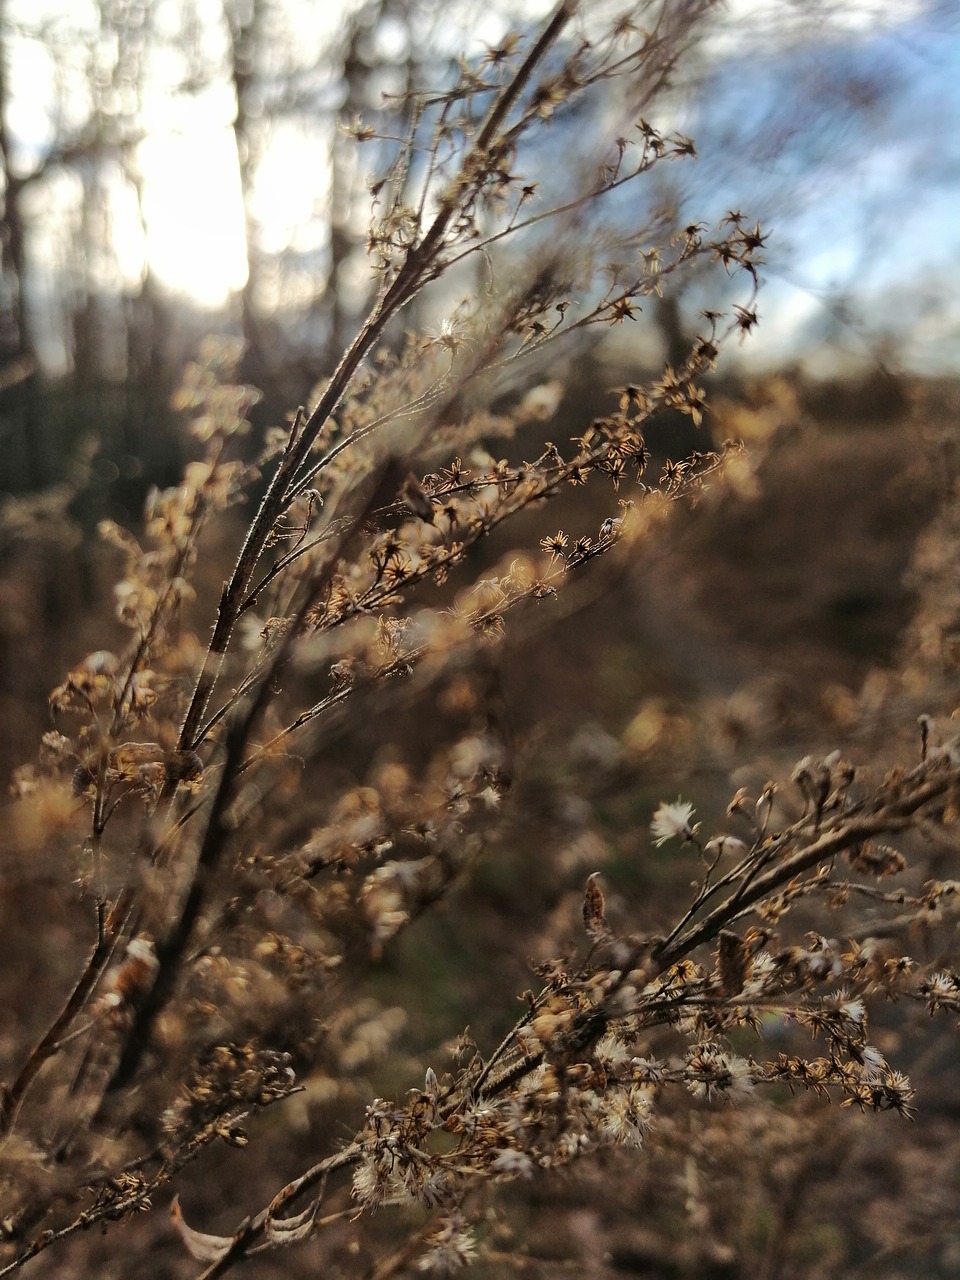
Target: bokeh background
[174,168]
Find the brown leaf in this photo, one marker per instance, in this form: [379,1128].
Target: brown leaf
[282,1231]
[733,962]
[594,915]
[202,1247]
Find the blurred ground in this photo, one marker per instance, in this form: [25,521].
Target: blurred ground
[767,623]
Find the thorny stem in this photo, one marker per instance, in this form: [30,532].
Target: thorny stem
[11,1099]
[285,484]
[421,402]
[500,1050]
[851,831]
[412,275]
[171,949]
[562,474]
[892,817]
[412,657]
[131,1202]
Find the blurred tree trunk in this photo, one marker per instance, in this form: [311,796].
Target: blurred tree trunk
[245,23]
[344,232]
[15,340]
[361,71]
[18,425]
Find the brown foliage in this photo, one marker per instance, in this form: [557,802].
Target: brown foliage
[245,838]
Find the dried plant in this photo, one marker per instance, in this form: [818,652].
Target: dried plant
[237,891]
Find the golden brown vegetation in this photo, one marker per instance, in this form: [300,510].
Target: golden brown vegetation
[245,837]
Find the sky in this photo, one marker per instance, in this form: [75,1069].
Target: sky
[862,205]
[873,229]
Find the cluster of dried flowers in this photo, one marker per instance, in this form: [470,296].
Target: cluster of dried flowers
[230,905]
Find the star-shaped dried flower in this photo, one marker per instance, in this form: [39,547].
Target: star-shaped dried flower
[672,822]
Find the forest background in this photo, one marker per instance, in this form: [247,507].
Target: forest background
[179,169]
